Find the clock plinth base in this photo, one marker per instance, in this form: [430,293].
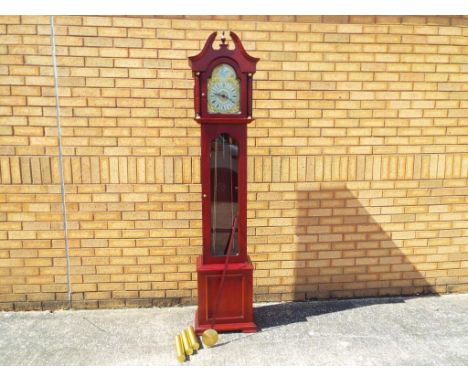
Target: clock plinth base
[244,327]
[235,310]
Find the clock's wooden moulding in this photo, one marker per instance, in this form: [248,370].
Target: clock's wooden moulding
[235,310]
[203,64]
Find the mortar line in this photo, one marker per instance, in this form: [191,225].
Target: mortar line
[62,181]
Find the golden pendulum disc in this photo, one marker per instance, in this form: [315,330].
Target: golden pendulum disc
[210,337]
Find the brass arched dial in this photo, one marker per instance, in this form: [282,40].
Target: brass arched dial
[223,91]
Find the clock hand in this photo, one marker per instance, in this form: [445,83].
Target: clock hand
[224,96]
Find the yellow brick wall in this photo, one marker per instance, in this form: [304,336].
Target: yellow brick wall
[357,170]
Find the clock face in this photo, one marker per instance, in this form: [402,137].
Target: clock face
[223,91]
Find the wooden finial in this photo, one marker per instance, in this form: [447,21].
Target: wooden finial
[223,39]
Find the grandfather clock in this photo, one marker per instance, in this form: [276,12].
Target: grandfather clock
[223,107]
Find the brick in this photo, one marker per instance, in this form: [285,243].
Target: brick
[356,170]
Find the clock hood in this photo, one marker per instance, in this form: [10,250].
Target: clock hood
[201,61]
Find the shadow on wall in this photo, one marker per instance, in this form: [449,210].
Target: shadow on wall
[341,252]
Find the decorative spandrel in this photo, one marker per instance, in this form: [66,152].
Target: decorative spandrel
[224,156]
[223,91]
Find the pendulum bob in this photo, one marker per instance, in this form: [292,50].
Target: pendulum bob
[210,337]
[193,338]
[179,349]
[186,342]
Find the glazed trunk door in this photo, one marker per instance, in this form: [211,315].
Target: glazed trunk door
[224,194]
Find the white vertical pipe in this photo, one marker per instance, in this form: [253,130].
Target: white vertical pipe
[62,181]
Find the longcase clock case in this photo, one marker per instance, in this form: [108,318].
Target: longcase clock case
[224,184]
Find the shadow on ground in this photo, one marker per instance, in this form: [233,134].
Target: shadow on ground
[272,315]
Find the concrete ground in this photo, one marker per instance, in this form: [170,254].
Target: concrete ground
[386,331]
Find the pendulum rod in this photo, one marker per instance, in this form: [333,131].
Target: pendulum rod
[215,195]
[223,275]
[231,185]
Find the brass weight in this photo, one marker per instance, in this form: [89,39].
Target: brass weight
[193,338]
[186,342]
[179,349]
[190,341]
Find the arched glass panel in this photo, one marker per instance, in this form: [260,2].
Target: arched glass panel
[223,91]
[224,161]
